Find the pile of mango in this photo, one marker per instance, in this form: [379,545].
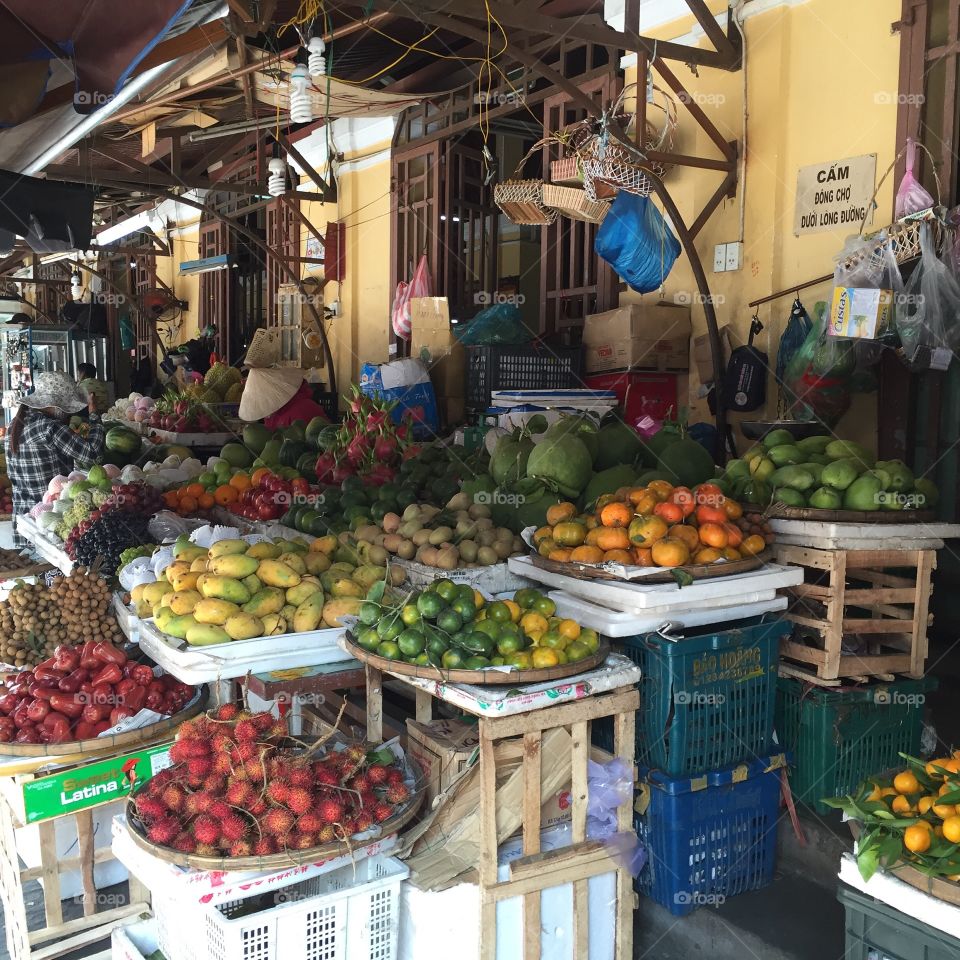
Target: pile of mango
[238,591]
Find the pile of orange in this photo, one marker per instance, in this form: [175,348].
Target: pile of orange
[658,525]
[194,498]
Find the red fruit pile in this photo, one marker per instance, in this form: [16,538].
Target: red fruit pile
[235,790]
[80,692]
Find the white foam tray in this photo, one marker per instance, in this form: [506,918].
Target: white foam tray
[828,535]
[224,661]
[612,623]
[45,548]
[639,597]
[495,578]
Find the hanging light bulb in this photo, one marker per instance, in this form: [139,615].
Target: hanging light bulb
[277,181]
[76,285]
[317,61]
[301,110]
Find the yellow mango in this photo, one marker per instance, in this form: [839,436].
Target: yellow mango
[333,610]
[214,611]
[178,626]
[136,594]
[273,624]
[236,565]
[265,550]
[316,562]
[224,548]
[293,560]
[224,588]
[275,573]
[253,583]
[206,634]
[199,565]
[184,601]
[347,588]
[309,614]
[185,581]
[266,601]
[287,612]
[175,569]
[190,552]
[244,626]
[307,587]
[325,545]
[152,592]
[143,609]
[368,575]
[162,616]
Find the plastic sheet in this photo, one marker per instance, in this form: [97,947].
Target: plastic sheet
[609,786]
[911,196]
[499,324]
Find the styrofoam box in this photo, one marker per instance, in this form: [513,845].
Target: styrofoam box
[613,623]
[134,941]
[104,874]
[496,578]
[431,923]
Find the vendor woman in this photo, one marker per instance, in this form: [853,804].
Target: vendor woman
[278,396]
[40,445]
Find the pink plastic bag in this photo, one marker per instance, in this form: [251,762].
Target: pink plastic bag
[419,286]
[911,196]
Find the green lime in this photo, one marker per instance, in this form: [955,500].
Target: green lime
[590,639]
[410,614]
[490,627]
[389,649]
[369,613]
[422,660]
[526,597]
[437,646]
[452,659]
[429,605]
[476,663]
[480,643]
[368,639]
[497,661]
[509,645]
[577,651]
[465,592]
[465,608]
[411,643]
[390,627]
[508,630]
[446,589]
[450,621]
[545,606]
[553,640]
[498,611]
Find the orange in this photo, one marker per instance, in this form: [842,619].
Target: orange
[753,545]
[732,509]
[888,792]
[707,514]
[686,533]
[187,504]
[951,829]
[906,782]
[707,555]
[559,512]
[560,554]
[546,546]
[944,810]
[709,494]
[171,498]
[541,534]
[623,493]
[256,478]
[514,608]
[683,498]
[936,768]
[194,490]
[544,657]
[647,530]
[618,556]
[643,556]
[206,501]
[225,494]
[240,481]
[616,515]
[569,533]
[593,534]
[661,489]
[569,629]
[591,522]
[713,535]
[533,623]
[953,765]
[670,512]
[613,538]
[670,552]
[917,839]
[734,534]
[924,804]
[586,554]
[946,788]
[901,804]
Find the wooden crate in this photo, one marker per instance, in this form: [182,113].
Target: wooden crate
[516,737]
[880,598]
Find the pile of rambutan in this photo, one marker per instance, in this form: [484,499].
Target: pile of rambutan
[237,788]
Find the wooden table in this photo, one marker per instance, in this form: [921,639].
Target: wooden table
[519,736]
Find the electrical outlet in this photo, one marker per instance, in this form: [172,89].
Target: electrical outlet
[720,258]
[734,258]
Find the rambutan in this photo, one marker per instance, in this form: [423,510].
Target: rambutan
[226,711]
[258,807]
[330,810]
[206,830]
[150,808]
[327,834]
[181,751]
[356,753]
[361,783]
[381,811]
[325,776]
[190,805]
[277,821]
[301,777]
[163,831]
[394,775]
[206,850]
[277,768]
[262,721]
[304,841]
[397,793]
[184,842]
[214,784]
[244,751]
[173,797]
[198,768]
[264,847]
[241,848]
[278,730]
[299,800]
[199,728]
[364,822]
[310,822]
[239,793]
[368,801]
[347,827]
[220,809]
[221,742]
[245,730]
[161,779]
[278,790]
[221,764]
[377,774]
[234,827]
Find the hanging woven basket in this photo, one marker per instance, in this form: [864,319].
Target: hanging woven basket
[574,203]
[521,201]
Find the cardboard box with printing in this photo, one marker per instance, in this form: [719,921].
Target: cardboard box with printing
[430,328]
[638,336]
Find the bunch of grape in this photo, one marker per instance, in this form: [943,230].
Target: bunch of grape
[79,510]
[106,538]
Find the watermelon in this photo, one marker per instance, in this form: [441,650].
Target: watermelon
[122,440]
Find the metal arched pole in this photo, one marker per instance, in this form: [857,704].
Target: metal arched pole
[250,236]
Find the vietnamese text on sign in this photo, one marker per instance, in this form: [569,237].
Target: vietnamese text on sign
[835,195]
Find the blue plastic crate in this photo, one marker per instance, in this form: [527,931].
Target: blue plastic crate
[707,700]
[708,837]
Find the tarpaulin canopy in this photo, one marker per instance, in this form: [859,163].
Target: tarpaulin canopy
[50,215]
[103,41]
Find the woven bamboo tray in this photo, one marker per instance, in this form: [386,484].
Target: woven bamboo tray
[698,571]
[573,202]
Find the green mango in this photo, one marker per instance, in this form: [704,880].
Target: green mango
[825,498]
[863,493]
[901,476]
[776,438]
[784,454]
[840,474]
[789,497]
[926,489]
[814,444]
[794,477]
[847,449]
[814,468]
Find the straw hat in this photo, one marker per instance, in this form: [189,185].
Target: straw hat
[56,390]
[267,389]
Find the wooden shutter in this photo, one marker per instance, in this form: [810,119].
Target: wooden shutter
[216,286]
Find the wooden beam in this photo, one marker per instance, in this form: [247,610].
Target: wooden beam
[299,158]
[241,8]
[724,190]
[208,36]
[712,29]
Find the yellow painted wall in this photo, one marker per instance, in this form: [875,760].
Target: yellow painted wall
[822,81]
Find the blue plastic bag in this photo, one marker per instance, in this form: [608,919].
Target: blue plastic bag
[501,323]
[636,241]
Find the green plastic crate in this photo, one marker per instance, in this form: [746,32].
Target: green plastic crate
[840,737]
[876,931]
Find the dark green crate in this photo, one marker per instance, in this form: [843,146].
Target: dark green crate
[875,929]
[840,737]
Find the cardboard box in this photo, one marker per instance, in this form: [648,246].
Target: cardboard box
[444,750]
[860,312]
[703,358]
[431,330]
[638,336]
